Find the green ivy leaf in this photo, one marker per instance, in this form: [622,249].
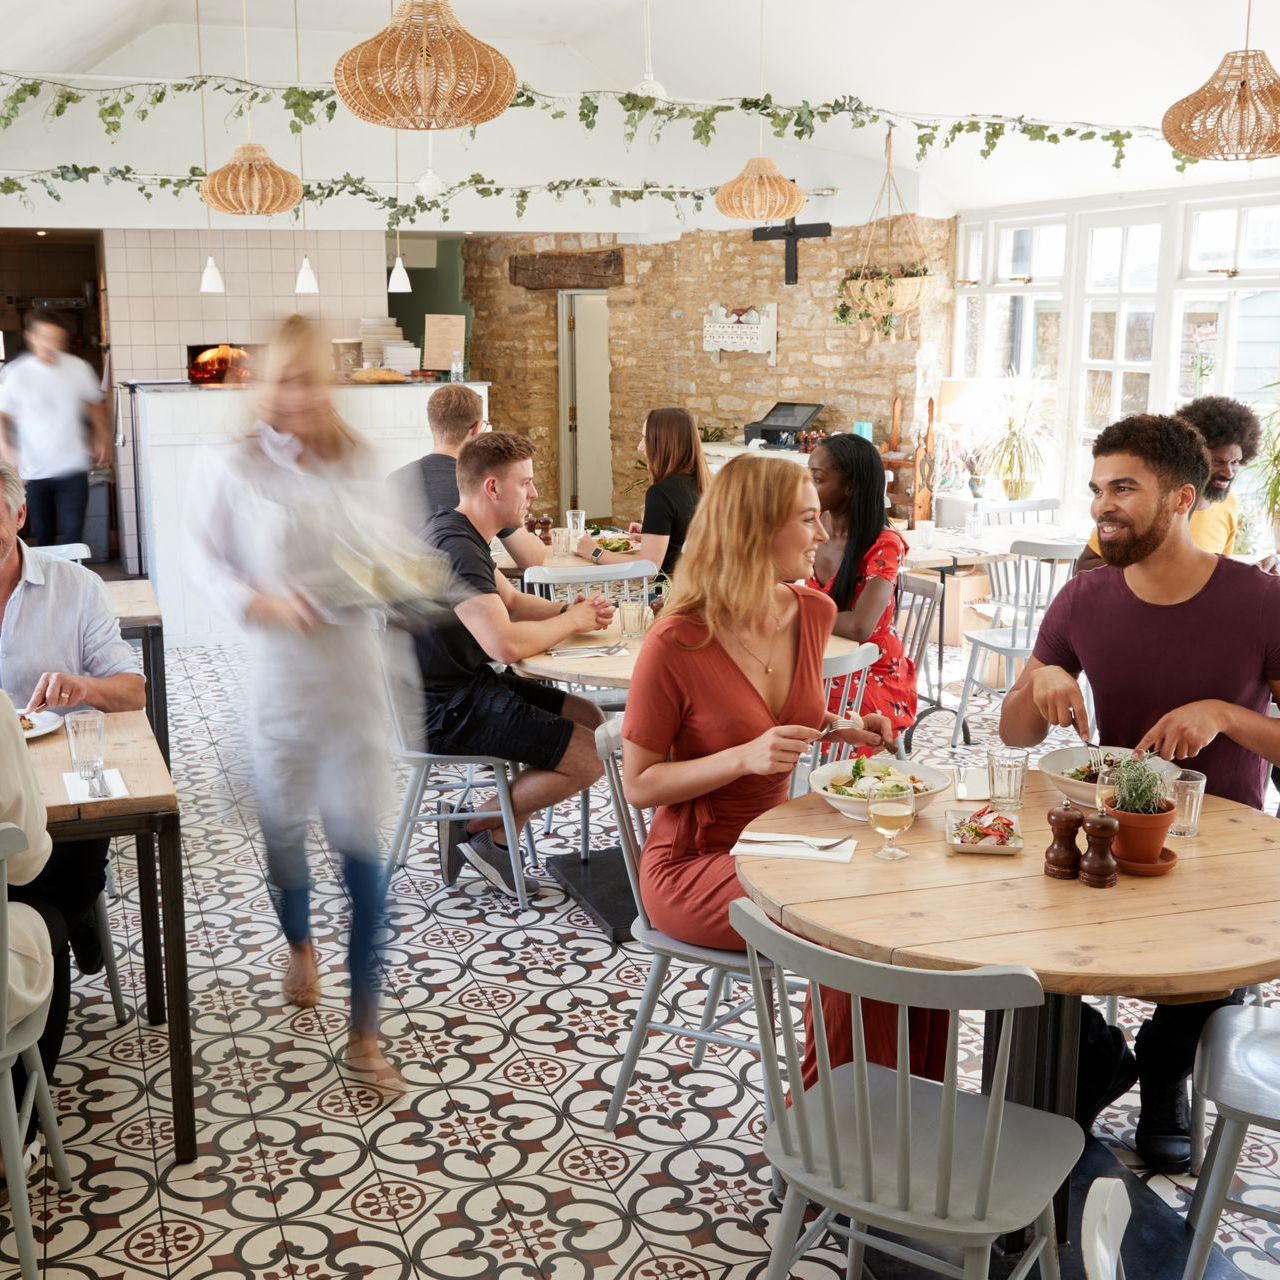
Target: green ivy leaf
[588,109]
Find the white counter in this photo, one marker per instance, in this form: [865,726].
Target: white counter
[720,452]
[174,422]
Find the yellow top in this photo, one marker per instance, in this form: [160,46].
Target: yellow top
[1213,529]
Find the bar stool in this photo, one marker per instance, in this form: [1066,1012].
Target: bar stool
[1238,1070]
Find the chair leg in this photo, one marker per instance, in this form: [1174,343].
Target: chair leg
[1211,1192]
[1049,1268]
[513,836]
[639,1034]
[977,1262]
[16,1178]
[1113,1011]
[402,838]
[714,988]
[1197,1131]
[103,925]
[856,1254]
[584,826]
[785,1235]
[969,677]
[48,1118]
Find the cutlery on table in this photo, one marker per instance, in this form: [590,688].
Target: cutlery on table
[778,837]
[100,781]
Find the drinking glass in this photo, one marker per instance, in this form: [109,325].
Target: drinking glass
[87,733]
[1006,776]
[924,534]
[560,543]
[633,614]
[1186,790]
[1104,788]
[891,809]
[577,522]
[973,525]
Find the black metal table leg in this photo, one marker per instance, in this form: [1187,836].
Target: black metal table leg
[152,947]
[157,686]
[181,1069]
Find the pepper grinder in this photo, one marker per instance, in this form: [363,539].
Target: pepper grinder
[544,529]
[1098,866]
[1062,857]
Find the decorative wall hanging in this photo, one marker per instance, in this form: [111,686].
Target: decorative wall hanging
[753,329]
[1235,115]
[425,71]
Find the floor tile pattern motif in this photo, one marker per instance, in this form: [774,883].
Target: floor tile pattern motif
[508,1024]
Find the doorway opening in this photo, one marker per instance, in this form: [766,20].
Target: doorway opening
[586,445]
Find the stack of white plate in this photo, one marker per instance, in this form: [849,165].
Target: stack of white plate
[374,332]
[401,355]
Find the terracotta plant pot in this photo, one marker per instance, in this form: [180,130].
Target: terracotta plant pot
[1141,835]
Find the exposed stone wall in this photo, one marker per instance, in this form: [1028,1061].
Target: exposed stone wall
[655,337]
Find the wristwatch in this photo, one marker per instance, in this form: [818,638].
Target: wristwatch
[596,554]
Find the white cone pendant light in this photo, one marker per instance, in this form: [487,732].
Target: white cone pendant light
[307,282]
[398,281]
[211,279]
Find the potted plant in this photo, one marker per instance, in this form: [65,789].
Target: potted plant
[1145,814]
[877,298]
[1014,449]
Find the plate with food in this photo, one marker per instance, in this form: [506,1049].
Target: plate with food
[846,784]
[619,542]
[35,724]
[983,830]
[1069,770]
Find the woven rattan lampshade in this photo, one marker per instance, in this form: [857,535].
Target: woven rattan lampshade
[251,183]
[1234,116]
[425,71]
[760,194]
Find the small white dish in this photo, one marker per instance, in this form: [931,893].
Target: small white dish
[956,817]
[42,722]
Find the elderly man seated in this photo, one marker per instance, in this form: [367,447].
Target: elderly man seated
[61,649]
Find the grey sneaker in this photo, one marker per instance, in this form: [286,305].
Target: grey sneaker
[452,834]
[493,862]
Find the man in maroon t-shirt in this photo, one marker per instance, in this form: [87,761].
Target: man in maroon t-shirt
[1182,650]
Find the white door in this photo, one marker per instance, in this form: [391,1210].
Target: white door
[588,460]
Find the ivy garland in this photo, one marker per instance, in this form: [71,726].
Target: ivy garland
[311,105]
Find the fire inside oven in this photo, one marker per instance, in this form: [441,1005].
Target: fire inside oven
[220,362]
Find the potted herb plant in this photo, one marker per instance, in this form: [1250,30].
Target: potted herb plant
[1145,814]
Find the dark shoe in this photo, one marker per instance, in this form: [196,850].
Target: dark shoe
[1109,1075]
[1163,1139]
[451,837]
[87,947]
[493,862]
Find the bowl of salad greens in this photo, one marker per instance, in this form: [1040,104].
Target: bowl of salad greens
[1068,769]
[846,784]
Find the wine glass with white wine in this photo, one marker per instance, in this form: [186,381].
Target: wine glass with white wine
[891,809]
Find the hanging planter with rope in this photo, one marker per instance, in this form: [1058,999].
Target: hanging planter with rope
[883,294]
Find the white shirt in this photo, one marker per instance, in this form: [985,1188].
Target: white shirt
[30,958]
[47,405]
[59,618]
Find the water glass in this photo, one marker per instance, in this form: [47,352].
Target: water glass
[633,615]
[560,543]
[1006,776]
[87,734]
[973,525]
[1186,790]
[577,522]
[924,534]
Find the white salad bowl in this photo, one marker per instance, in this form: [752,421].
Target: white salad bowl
[1055,765]
[936,782]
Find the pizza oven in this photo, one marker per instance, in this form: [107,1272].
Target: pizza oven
[220,362]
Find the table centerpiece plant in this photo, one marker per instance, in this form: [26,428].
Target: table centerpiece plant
[1138,803]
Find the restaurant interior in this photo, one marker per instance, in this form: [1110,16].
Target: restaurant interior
[960,284]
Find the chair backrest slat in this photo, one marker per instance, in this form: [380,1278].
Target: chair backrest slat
[904,1107]
[995,1117]
[760,992]
[862,1102]
[791,1048]
[609,749]
[917,606]
[947,1119]
[828,1099]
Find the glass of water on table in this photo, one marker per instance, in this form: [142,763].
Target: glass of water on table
[1186,789]
[1006,776]
[891,809]
[87,735]
[576,522]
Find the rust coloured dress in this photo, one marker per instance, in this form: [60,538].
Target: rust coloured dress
[686,703]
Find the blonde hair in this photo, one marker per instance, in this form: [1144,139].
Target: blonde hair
[299,352]
[726,572]
[452,411]
[15,492]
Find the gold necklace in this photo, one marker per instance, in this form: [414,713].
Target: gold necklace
[766,663]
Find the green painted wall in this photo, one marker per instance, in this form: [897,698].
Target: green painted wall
[436,291]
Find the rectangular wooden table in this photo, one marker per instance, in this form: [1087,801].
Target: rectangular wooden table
[138,612]
[149,813]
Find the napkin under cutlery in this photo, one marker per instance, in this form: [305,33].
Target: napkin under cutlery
[78,787]
[778,844]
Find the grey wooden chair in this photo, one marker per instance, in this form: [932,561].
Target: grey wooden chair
[19,1041]
[1019,511]
[1238,1070]
[853,668]
[889,1150]
[1102,1226]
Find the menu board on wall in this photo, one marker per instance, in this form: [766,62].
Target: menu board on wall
[441,337]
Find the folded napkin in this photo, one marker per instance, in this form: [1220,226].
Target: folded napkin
[78,788]
[768,844]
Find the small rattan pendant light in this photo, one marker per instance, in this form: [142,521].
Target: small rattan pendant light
[1235,115]
[251,182]
[425,71]
[760,193]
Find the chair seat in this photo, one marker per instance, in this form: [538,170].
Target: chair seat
[1003,639]
[1037,1152]
[1238,1063]
[661,942]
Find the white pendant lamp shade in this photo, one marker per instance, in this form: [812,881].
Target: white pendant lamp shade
[398,282]
[211,279]
[307,282]
[431,185]
[650,88]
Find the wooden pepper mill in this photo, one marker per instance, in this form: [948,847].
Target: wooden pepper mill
[1098,866]
[544,529]
[1062,857]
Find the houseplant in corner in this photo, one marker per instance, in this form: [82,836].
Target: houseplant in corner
[1136,800]
[1014,449]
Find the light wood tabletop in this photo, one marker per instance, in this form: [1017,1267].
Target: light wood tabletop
[614,671]
[135,603]
[130,747]
[1205,928]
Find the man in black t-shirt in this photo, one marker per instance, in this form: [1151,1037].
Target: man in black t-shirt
[473,709]
[455,414]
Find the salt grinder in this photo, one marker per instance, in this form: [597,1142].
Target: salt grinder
[1098,866]
[1062,857]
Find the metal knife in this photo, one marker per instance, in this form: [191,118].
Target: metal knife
[100,782]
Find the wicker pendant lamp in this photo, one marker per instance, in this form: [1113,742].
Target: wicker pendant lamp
[760,193]
[251,182]
[1235,115]
[425,71]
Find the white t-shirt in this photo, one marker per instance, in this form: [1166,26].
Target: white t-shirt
[46,403]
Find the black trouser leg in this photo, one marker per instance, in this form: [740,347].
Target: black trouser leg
[72,500]
[1166,1042]
[42,511]
[71,881]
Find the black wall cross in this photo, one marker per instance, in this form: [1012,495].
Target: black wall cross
[792,235]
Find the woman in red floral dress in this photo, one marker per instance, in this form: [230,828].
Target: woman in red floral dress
[858,568]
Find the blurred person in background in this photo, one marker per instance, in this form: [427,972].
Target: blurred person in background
[266,527]
[46,396]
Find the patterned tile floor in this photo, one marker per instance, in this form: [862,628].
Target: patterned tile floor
[509,1025]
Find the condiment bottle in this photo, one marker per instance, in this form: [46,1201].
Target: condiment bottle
[531,524]
[1062,857]
[1098,866]
[544,529]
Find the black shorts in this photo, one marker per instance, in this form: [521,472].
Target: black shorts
[503,715]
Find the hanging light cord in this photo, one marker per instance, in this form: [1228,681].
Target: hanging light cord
[244,26]
[648,43]
[760,122]
[297,69]
[1248,24]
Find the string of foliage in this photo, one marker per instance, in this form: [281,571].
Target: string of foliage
[308,105]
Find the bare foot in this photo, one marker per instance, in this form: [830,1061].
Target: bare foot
[365,1056]
[302,978]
